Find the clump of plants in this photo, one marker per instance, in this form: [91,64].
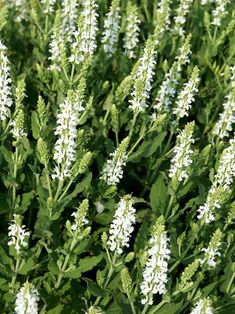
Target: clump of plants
[117,156]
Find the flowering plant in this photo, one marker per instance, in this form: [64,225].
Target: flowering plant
[117,156]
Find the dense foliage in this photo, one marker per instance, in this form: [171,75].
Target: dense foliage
[117,156]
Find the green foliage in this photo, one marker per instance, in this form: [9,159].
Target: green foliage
[72,106]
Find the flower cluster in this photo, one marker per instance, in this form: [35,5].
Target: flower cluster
[155,271]
[221,184]
[20,7]
[69,17]
[227,118]
[211,251]
[167,89]
[186,277]
[18,125]
[112,172]
[180,163]
[17,234]
[111,28]
[144,77]
[66,130]
[80,219]
[203,306]
[180,18]
[48,6]
[27,299]
[162,19]
[131,31]
[56,44]
[122,226]
[85,36]
[220,11]
[186,95]
[5,84]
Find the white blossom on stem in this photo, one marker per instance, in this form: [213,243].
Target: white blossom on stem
[85,44]
[227,118]
[48,6]
[122,225]
[220,11]
[221,183]
[168,87]
[180,17]
[155,271]
[27,299]
[211,252]
[144,77]
[56,43]
[5,84]
[203,306]
[111,28]
[66,131]
[69,17]
[131,31]
[17,234]
[186,96]
[180,163]
[112,172]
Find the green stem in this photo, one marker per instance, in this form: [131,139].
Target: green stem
[65,190]
[59,188]
[157,307]
[133,124]
[110,273]
[145,309]
[136,144]
[131,303]
[230,283]
[169,206]
[48,181]
[65,263]
[72,73]
[13,280]
[15,175]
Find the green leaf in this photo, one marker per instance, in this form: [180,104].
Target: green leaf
[25,202]
[3,17]
[88,263]
[159,196]
[8,157]
[167,308]
[35,125]
[27,266]
[73,274]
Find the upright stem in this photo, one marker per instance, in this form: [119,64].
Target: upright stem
[110,273]
[131,303]
[13,280]
[15,175]
[59,188]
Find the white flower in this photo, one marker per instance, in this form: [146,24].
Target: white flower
[180,17]
[180,163]
[55,45]
[203,2]
[221,183]
[162,19]
[5,84]
[66,130]
[111,28]
[168,87]
[227,118]
[122,226]
[211,251]
[21,7]
[80,217]
[48,6]
[132,31]
[69,18]
[186,96]
[27,300]
[18,125]
[112,172]
[144,77]
[155,271]
[203,306]
[220,11]
[94,310]
[17,234]
[226,171]
[85,36]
